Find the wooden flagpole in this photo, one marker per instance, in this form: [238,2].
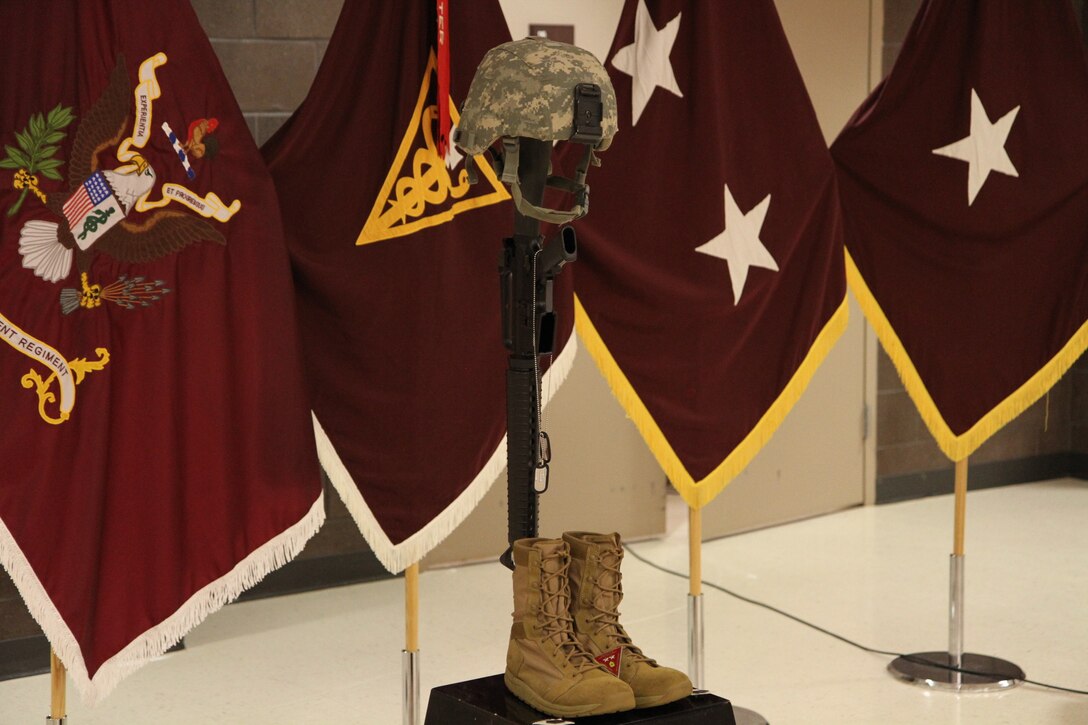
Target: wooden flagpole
[411,608]
[695,551]
[57,682]
[696,658]
[961,507]
[410,657]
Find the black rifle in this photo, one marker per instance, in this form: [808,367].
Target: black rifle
[527,271]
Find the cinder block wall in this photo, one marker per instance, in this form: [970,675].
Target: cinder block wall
[270,51]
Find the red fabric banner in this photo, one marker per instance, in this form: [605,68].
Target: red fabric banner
[442,40]
[157,451]
[965,195]
[395,259]
[710,273]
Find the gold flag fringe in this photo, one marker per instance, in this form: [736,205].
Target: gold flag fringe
[958,447]
[270,556]
[699,493]
[398,557]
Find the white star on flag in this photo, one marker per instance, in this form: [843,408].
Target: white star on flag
[739,243]
[647,60]
[984,149]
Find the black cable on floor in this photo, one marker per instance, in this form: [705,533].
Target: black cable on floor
[829,633]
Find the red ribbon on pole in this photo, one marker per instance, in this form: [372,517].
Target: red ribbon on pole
[443,76]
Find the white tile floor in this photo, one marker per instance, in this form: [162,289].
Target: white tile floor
[878,575]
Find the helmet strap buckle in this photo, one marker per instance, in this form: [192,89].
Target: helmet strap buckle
[509,160]
[588,114]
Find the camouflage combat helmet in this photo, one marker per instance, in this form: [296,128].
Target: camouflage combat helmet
[528,88]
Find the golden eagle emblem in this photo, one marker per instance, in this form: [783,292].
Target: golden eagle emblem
[107,211]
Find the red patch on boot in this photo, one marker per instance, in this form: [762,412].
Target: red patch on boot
[611,660]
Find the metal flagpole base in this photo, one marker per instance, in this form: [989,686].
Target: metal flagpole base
[696,657]
[410,686]
[956,670]
[932,669]
[697,661]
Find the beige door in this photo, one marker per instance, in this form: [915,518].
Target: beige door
[820,459]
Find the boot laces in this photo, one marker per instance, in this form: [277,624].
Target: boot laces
[606,604]
[555,621]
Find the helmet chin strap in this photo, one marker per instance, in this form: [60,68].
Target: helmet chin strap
[575,186]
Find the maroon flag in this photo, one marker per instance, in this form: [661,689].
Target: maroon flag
[395,257]
[965,196]
[157,456]
[710,277]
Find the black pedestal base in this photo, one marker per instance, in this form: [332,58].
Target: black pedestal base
[486,701]
[932,669]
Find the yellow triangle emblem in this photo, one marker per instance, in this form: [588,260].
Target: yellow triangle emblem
[415,195]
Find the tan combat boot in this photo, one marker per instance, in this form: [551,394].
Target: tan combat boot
[545,665]
[596,591]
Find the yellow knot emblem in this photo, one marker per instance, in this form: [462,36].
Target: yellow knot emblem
[415,198]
